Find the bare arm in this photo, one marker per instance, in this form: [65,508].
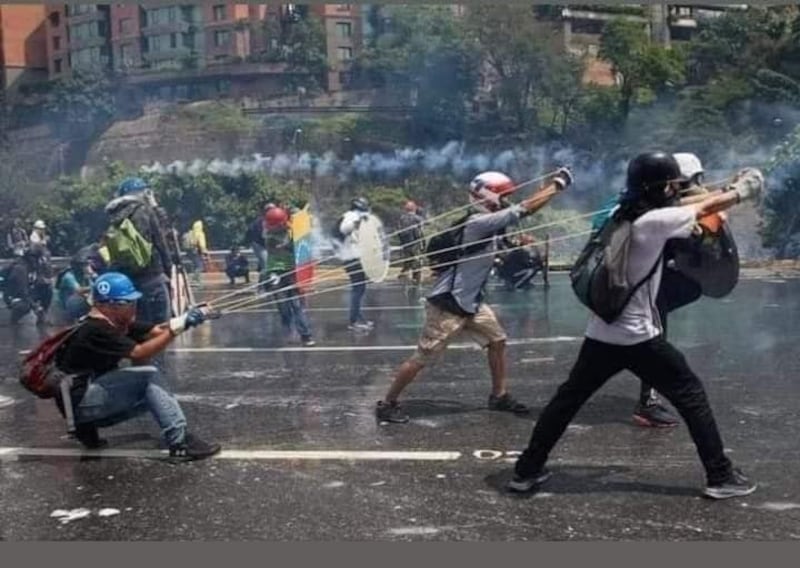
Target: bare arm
[541,198]
[157,340]
[692,199]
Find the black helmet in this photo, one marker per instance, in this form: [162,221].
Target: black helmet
[648,176]
[360,204]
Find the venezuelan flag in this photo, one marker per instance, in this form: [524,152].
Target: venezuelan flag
[301,235]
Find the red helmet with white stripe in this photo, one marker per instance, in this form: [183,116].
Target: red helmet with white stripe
[487,191]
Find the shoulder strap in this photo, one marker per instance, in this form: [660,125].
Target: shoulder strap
[647,277]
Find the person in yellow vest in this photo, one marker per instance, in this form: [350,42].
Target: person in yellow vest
[198,248]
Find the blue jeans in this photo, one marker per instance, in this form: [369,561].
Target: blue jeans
[292,312]
[358,283]
[261,256]
[125,393]
[154,305]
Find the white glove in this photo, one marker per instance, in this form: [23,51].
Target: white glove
[563,178]
[177,325]
[748,184]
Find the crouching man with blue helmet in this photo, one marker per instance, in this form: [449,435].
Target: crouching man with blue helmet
[104,392]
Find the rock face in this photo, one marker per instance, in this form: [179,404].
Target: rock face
[161,134]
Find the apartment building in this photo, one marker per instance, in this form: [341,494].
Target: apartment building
[343,24]
[150,38]
[582,27]
[23,56]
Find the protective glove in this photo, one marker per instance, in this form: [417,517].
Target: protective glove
[748,184]
[193,317]
[563,178]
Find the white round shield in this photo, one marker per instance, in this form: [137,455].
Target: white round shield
[373,247]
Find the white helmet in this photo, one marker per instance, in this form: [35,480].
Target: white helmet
[39,224]
[691,166]
[487,189]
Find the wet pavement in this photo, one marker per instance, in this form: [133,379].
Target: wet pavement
[302,444]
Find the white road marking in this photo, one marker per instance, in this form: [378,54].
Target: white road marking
[351,348]
[7,454]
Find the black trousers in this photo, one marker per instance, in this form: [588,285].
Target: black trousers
[657,363]
[676,291]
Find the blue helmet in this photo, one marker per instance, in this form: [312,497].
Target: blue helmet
[114,287]
[131,185]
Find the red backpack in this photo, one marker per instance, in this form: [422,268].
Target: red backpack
[39,373]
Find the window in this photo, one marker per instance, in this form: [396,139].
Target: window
[56,43]
[55,19]
[78,9]
[125,25]
[342,7]
[593,27]
[157,43]
[57,65]
[219,12]
[344,29]
[681,34]
[222,38]
[127,54]
[345,53]
[173,40]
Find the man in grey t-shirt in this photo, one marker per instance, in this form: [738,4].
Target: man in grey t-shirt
[455,303]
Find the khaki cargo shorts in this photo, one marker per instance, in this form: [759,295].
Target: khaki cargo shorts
[442,326]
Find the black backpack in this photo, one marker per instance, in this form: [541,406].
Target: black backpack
[599,275]
[444,248]
[335,232]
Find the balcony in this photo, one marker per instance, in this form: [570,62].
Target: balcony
[169,53]
[574,14]
[95,16]
[95,41]
[179,26]
[610,11]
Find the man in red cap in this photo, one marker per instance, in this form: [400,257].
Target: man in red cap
[280,275]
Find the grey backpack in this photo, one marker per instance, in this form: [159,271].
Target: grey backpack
[599,275]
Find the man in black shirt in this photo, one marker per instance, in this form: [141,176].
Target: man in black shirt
[23,291]
[103,392]
[237,266]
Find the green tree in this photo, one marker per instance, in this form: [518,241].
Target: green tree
[420,51]
[780,228]
[301,44]
[639,63]
[517,51]
[80,104]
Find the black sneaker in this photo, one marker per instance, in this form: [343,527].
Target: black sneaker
[737,486]
[390,412]
[88,435]
[528,483]
[507,403]
[654,415]
[193,448]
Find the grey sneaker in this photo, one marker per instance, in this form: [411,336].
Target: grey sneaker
[359,326]
[528,483]
[390,412]
[737,486]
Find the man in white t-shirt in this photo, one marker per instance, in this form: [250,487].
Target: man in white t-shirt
[634,341]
